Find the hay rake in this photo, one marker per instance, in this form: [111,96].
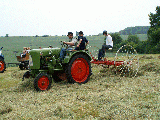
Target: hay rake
[126,61]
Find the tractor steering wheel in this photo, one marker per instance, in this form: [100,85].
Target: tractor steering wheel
[63,45]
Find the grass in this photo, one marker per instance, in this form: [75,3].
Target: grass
[105,96]
[142,37]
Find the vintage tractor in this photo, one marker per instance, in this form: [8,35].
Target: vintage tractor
[2,62]
[45,65]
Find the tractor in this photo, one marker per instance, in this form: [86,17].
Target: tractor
[45,66]
[2,62]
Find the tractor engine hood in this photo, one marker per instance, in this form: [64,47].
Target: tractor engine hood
[35,55]
[46,52]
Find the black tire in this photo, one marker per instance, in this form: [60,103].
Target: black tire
[42,82]
[2,68]
[21,66]
[74,69]
[26,63]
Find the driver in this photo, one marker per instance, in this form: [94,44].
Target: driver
[71,44]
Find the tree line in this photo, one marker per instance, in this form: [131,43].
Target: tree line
[151,45]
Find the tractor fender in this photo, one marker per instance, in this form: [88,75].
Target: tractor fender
[68,58]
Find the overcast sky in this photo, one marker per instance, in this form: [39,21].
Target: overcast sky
[58,17]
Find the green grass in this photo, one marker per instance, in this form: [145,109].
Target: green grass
[105,96]
[142,37]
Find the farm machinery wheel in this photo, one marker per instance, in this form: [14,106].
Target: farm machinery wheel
[78,69]
[2,65]
[130,64]
[24,65]
[21,66]
[42,82]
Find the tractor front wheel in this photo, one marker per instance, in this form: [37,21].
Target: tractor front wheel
[42,82]
[2,65]
[78,69]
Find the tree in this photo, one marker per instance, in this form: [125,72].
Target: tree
[6,35]
[116,40]
[154,32]
[133,38]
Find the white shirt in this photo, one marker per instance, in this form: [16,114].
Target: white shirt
[109,40]
[73,41]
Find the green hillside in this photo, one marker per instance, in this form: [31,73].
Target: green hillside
[135,30]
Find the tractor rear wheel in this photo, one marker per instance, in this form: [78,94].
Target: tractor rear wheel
[42,82]
[2,65]
[78,69]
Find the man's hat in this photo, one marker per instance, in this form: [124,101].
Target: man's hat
[70,33]
[80,32]
[104,32]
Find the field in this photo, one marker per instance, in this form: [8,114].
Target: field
[14,45]
[142,37]
[105,96]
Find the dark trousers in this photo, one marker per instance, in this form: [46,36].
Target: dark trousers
[102,51]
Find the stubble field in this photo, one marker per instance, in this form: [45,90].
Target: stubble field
[105,96]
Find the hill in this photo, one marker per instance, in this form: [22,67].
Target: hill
[135,30]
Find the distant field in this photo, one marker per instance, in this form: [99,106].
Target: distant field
[12,44]
[142,37]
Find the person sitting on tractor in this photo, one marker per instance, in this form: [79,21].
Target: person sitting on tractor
[72,42]
[108,43]
[81,45]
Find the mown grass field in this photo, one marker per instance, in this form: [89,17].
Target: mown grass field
[105,96]
[16,44]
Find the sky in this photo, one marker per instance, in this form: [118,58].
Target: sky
[58,17]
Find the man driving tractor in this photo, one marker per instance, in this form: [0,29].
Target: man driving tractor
[72,42]
[108,43]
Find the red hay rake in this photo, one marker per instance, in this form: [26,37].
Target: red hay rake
[126,61]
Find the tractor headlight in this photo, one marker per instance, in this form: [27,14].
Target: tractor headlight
[30,61]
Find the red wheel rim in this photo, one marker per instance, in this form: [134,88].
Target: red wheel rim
[1,65]
[43,83]
[80,70]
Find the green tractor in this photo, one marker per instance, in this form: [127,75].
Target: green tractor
[45,66]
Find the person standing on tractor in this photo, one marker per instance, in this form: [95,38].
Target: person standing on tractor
[108,43]
[82,40]
[72,42]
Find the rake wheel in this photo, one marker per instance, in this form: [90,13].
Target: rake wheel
[130,65]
